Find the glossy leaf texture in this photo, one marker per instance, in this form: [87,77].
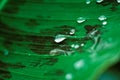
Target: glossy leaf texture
[58,39]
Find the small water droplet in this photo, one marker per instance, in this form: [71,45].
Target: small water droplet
[88,1]
[82,44]
[102,17]
[6,52]
[104,23]
[118,1]
[72,31]
[99,1]
[68,76]
[76,46]
[79,64]
[57,52]
[59,38]
[81,19]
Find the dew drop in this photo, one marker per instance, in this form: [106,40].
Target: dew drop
[57,52]
[82,44]
[81,20]
[88,1]
[99,1]
[72,31]
[79,64]
[59,38]
[104,23]
[118,1]
[68,76]
[76,46]
[102,17]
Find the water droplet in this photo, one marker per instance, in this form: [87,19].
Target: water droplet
[104,23]
[68,76]
[57,52]
[59,38]
[81,19]
[76,46]
[72,31]
[99,1]
[102,17]
[82,44]
[88,1]
[118,1]
[79,64]
[6,52]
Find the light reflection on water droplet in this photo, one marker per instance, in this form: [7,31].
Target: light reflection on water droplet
[68,76]
[82,44]
[102,17]
[88,1]
[104,22]
[81,20]
[79,64]
[99,1]
[76,46]
[72,31]
[59,38]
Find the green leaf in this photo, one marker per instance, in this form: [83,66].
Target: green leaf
[27,39]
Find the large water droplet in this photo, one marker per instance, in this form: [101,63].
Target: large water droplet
[88,1]
[72,31]
[59,38]
[79,64]
[99,1]
[57,52]
[81,19]
[118,1]
[68,76]
[102,17]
